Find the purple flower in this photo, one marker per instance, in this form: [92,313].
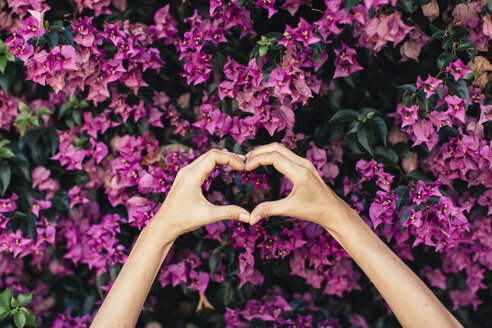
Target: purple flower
[77,196]
[345,63]
[199,281]
[267,4]
[39,205]
[246,259]
[8,205]
[31,27]
[456,107]
[429,85]
[458,69]
[210,118]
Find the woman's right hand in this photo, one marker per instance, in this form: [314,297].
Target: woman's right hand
[310,199]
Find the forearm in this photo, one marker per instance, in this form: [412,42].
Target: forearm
[411,300]
[124,301]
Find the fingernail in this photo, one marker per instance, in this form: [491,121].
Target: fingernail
[241,156]
[244,217]
[257,218]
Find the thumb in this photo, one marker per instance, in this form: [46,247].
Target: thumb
[266,209]
[230,212]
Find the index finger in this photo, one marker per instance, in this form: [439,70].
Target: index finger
[214,157]
[278,147]
[280,162]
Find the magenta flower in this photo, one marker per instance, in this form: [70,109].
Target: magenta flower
[246,259]
[199,281]
[8,205]
[99,150]
[32,27]
[458,69]
[39,205]
[328,24]
[456,107]
[140,211]
[345,63]
[429,85]
[210,117]
[267,4]
[63,57]
[77,196]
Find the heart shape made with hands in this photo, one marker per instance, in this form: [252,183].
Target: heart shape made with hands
[309,196]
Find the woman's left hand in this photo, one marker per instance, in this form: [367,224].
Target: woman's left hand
[185,208]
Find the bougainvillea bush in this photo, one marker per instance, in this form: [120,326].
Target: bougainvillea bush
[102,102]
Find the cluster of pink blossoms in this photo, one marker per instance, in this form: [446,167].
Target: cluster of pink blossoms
[134,170]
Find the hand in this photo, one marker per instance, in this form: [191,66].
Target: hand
[185,208]
[310,199]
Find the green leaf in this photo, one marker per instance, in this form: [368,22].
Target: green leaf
[263,50]
[225,292]
[6,153]
[215,260]
[7,78]
[402,149]
[458,88]
[4,312]
[24,299]
[436,35]
[419,175]
[28,225]
[19,319]
[387,154]
[403,197]
[14,303]
[355,126]
[365,139]
[3,64]
[43,111]
[348,5]
[5,174]
[5,297]
[30,316]
[52,38]
[404,218]
[409,87]
[407,5]
[444,59]
[344,115]
[380,127]
[467,44]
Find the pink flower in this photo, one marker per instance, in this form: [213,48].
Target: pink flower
[39,205]
[8,205]
[32,27]
[77,196]
[458,69]
[345,63]
[456,107]
[429,85]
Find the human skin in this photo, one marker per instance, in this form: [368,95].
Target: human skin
[412,302]
[186,209]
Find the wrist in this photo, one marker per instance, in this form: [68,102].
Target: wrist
[161,229]
[338,217]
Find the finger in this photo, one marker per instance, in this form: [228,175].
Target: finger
[242,157]
[229,212]
[216,157]
[275,146]
[281,163]
[267,209]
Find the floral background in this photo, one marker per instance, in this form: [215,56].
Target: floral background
[102,102]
